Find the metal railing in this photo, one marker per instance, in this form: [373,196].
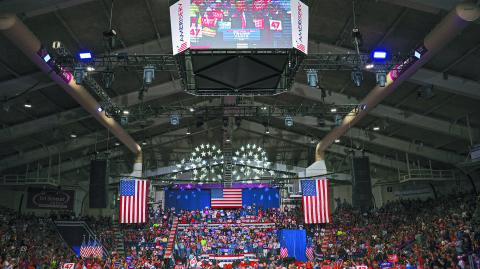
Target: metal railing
[427,175]
[28,180]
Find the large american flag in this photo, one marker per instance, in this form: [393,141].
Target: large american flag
[133,201]
[226,198]
[315,201]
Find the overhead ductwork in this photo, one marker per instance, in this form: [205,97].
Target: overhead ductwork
[17,32]
[441,35]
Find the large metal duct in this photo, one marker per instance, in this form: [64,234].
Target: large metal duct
[15,30]
[459,18]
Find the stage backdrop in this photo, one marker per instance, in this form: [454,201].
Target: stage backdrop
[191,199]
[295,241]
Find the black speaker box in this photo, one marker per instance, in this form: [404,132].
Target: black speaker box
[97,187]
[362,196]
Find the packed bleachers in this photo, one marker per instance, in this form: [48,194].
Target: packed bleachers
[27,241]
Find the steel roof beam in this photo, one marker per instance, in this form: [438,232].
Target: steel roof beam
[389,112]
[77,114]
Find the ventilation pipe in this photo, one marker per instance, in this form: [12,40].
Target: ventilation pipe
[15,30]
[137,166]
[451,25]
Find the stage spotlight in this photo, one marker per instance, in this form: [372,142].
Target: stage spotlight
[188,132]
[100,109]
[191,109]
[47,58]
[148,74]
[144,143]
[376,128]
[369,65]
[27,104]
[312,78]
[264,107]
[123,120]
[174,119]
[288,121]
[90,68]
[267,131]
[357,77]
[227,140]
[85,56]
[333,109]
[381,77]
[126,112]
[78,74]
[419,51]
[379,55]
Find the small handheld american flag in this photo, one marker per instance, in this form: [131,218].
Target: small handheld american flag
[284,252]
[315,201]
[309,253]
[133,201]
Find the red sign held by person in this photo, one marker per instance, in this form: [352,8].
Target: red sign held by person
[393,258]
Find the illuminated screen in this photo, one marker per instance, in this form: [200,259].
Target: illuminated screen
[240,24]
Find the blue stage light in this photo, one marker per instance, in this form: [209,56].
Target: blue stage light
[380,55]
[47,58]
[85,55]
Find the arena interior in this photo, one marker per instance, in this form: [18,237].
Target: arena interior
[267,134]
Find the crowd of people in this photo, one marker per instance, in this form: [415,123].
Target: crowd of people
[229,236]
[28,241]
[433,233]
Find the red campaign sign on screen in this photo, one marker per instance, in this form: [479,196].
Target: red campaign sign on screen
[393,258]
[275,25]
[196,32]
[259,23]
[208,22]
[217,14]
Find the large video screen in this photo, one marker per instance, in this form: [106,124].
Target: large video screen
[241,24]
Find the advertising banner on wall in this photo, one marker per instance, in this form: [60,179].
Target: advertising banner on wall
[39,198]
[180,26]
[300,26]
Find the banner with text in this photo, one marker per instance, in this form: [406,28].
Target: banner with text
[39,198]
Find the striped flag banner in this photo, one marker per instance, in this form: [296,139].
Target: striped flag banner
[83,249]
[309,253]
[284,252]
[133,201]
[315,201]
[226,198]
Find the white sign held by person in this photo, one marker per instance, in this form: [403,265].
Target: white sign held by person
[69,265]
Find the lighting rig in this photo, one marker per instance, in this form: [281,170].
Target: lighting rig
[176,113]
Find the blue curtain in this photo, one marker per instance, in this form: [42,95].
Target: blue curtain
[295,241]
[187,199]
[261,197]
[192,199]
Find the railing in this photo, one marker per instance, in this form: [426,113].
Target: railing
[27,180]
[427,175]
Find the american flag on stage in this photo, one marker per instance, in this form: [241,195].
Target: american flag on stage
[83,250]
[226,198]
[96,249]
[309,253]
[133,201]
[284,252]
[315,201]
